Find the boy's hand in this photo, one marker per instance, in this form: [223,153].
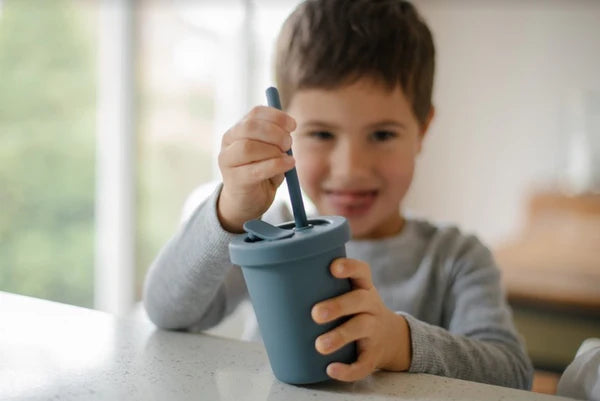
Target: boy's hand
[253,162]
[383,337]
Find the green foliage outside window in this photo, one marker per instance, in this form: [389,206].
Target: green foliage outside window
[47,129]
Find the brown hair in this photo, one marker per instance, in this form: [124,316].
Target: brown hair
[329,43]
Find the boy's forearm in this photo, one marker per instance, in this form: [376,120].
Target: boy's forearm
[497,360]
[401,355]
[183,282]
[225,208]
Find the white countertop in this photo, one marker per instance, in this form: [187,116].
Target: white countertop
[52,351]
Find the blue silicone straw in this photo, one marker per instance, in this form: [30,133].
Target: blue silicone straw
[291,176]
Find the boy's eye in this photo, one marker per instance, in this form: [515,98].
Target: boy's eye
[382,135]
[322,135]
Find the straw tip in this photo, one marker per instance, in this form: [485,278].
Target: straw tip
[273,97]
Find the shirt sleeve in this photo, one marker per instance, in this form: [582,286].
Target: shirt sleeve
[479,342]
[192,284]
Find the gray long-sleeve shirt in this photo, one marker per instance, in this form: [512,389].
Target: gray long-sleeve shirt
[446,284]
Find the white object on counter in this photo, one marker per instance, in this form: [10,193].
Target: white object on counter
[581,379]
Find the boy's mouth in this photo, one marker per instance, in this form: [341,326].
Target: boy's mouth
[351,203]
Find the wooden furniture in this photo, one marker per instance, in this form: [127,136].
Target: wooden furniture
[551,273]
[545,382]
[556,261]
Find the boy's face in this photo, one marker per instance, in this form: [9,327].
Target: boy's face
[355,149]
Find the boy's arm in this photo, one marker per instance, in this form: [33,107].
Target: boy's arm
[481,343]
[476,342]
[191,284]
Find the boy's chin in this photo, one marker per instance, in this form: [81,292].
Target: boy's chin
[363,224]
[365,229]
[359,229]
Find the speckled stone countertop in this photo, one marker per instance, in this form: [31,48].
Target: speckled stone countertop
[52,351]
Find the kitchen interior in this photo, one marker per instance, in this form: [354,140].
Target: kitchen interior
[513,154]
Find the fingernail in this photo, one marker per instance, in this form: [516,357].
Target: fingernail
[331,370]
[287,143]
[323,313]
[340,268]
[324,342]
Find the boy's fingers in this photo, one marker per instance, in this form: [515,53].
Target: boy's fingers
[247,151]
[350,303]
[253,173]
[259,130]
[363,367]
[356,270]
[354,329]
[274,115]
[279,117]
[277,180]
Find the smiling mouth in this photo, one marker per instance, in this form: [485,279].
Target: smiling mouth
[351,203]
[351,195]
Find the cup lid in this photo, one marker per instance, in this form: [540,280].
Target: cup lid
[326,233]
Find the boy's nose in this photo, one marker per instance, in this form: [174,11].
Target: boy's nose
[350,161]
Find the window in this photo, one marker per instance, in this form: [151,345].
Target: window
[197,76]
[47,126]
[198,67]
[178,61]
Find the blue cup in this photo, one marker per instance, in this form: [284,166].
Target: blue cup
[287,273]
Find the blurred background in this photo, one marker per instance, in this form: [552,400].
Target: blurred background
[111,113]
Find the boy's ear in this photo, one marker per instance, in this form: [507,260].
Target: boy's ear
[430,116]
[425,127]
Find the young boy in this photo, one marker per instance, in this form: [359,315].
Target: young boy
[355,78]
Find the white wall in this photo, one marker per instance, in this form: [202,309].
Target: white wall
[504,70]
